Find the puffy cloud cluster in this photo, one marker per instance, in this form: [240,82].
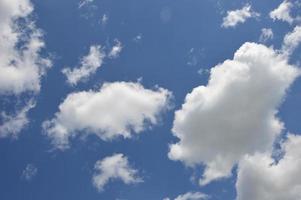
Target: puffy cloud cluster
[260,177]
[89,64]
[21,65]
[115,167]
[117,109]
[235,113]
[282,13]
[238,16]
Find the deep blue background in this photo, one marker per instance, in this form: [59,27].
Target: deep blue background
[160,58]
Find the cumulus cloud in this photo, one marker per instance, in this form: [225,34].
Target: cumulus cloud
[238,16]
[191,196]
[235,113]
[116,49]
[21,65]
[260,177]
[282,13]
[266,34]
[292,40]
[29,172]
[21,68]
[88,66]
[13,124]
[117,109]
[115,167]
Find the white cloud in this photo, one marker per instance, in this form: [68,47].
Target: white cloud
[84,2]
[12,125]
[235,114]
[191,196]
[21,65]
[235,17]
[21,68]
[261,178]
[104,19]
[88,66]
[292,40]
[283,12]
[266,34]
[29,172]
[114,167]
[116,49]
[117,109]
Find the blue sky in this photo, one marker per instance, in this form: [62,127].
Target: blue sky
[152,100]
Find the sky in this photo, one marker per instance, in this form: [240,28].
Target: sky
[150,100]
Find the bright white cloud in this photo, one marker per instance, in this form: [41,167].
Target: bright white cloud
[88,66]
[12,125]
[261,178]
[117,109]
[21,68]
[29,172]
[282,13]
[292,40]
[116,49]
[266,34]
[235,114]
[21,65]
[235,17]
[112,168]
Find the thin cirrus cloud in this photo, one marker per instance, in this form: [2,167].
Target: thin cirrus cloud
[239,16]
[116,109]
[235,113]
[21,64]
[112,168]
[282,12]
[260,177]
[88,66]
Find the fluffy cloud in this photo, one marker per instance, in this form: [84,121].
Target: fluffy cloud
[89,64]
[235,17]
[114,167]
[21,65]
[235,114]
[13,124]
[117,109]
[266,34]
[116,49]
[283,12]
[191,196]
[260,177]
[292,40]
[21,68]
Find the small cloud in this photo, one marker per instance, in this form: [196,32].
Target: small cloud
[282,13]
[137,38]
[29,172]
[239,16]
[104,19]
[116,49]
[84,2]
[266,34]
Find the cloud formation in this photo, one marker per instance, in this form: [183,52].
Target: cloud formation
[115,167]
[235,113]
[117,109]
[88,66]
[291,41]
[260,177]
[282,13]
[238,16]
[266,34]
[116,49]
[191,196]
